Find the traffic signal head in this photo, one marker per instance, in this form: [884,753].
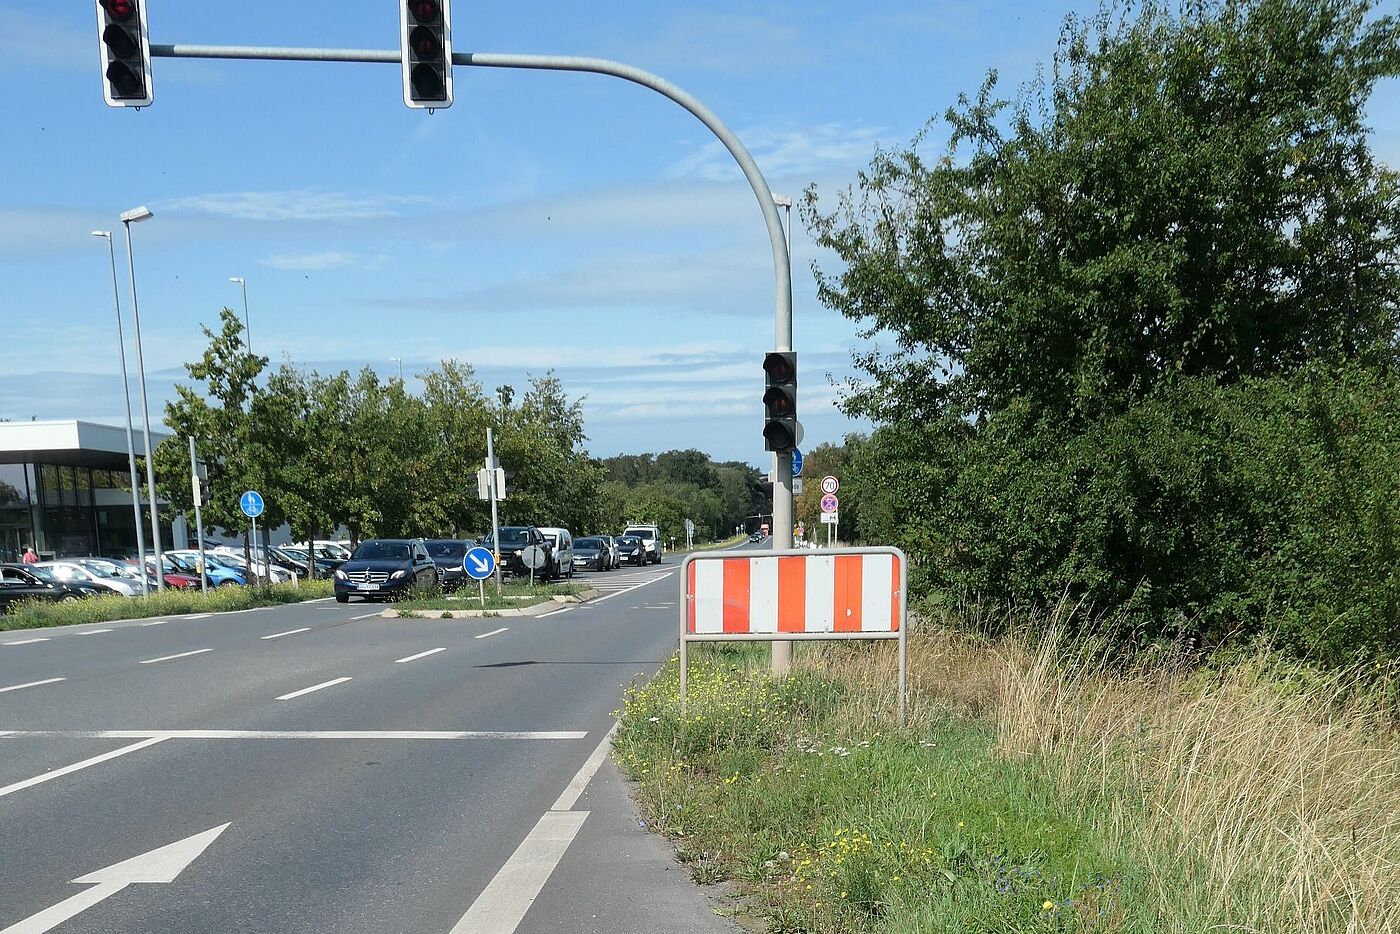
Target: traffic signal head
[125,53]
[425,28]
[780,401]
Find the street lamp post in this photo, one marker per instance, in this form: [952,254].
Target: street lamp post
[130,443]
[399,361]
[782,465]
[247,334]
[135,216]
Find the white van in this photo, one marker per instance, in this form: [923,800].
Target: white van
[563,558]
[651,540]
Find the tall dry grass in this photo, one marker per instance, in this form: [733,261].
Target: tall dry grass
[1261,796]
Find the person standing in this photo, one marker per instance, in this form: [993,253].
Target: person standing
[29,556]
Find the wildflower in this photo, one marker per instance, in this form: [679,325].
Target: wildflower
[1048,906]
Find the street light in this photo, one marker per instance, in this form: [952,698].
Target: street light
[130,443]
[399,361]
[782,474]
[247,334]
[135,216]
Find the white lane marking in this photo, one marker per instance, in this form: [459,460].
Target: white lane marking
[315,687]
[156,622]
[91,632]
[366,616]
[554,612]
[493,632]
[167,658]
[569,796]
[289,632]
[304,734]
[506,898]
[31,684]
[27,641]
[198,616]
[86,763]
[414,658]
[618,593]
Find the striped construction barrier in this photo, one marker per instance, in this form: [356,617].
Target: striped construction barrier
[833,593]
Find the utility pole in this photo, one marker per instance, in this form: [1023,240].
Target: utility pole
[493,492]
[197,489]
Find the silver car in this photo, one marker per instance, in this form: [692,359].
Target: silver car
[80,571]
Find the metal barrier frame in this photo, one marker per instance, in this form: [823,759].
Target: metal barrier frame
[902,634]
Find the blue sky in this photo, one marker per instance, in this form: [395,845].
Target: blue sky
[546,221]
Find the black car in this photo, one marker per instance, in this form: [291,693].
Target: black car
[592,554]
[631,550]
[448,554]
[19,582]
[514,540]
[385,567]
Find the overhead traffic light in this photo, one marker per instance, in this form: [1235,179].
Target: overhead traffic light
[125,52]
[780,401]
[425,37]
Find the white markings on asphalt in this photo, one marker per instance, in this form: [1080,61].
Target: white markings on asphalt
[289,632]
[156,622]
[26,641]
[31,684]
[315,687]
[618,593]
[366,616]
[76,766]
[414,658]
[168,658]
[580,781]
[554,612]
[304,734]
[199,616]
[161,865]
[506,898]
[493,632]
[91,632]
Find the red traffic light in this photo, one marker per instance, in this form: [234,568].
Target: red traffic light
[120,10]
[781,367]
[425,11]
[779,402]
[424,42]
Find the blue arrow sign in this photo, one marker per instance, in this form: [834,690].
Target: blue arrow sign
[796,462]
[479,563]
[251,503]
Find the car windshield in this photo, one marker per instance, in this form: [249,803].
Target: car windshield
[588,544]
[102,569]
[513,536]
[647,534]
[42,573]
[447,549]
[381,551]
[628,540]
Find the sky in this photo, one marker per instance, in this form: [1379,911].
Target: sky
[546,221]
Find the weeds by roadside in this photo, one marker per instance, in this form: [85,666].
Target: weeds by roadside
[170,602]
[515,594]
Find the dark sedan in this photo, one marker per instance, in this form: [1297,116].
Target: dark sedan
[448,554]
[514,540]
[19,583]
[385,568]
[592,554]
[631,550]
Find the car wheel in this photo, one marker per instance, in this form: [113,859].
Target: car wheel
[68,598]
[342,598]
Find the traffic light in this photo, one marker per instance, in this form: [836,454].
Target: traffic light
[201,485]
[425,35]
[125,53]
[780,401]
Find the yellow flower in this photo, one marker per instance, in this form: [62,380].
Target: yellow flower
[1048,906]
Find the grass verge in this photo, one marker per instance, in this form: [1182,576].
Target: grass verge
[170,602]
[1033,788]
[515,594]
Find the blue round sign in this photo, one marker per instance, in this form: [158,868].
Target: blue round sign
[479,563]
[796,462]
[251,503]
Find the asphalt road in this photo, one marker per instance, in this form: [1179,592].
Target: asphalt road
[327,771]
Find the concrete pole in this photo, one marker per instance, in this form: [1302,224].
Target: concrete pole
[495,520]
[145,410]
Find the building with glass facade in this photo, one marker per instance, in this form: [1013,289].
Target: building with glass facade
[65,489]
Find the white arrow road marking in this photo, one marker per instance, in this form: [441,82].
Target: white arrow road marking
[76,766]
[31,684]
[414,658]
[157,867]
[493,632]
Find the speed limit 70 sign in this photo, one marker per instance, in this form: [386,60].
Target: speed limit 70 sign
[830,485]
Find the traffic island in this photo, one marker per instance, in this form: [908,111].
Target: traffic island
[536,604]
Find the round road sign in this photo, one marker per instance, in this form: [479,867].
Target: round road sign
[251,503]
[479,563]
[533,557]
[830,485]
[830,502]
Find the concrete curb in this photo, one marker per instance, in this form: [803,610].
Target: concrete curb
[538,609]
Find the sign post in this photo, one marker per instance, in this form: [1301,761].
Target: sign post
[494,493]
[532,557]
[251,502]
[197,491]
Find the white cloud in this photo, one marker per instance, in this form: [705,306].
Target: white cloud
[298,205]
[29,40]
[785,152]
[326,259]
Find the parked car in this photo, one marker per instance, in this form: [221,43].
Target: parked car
[332,551]
[651,540]
[755,536]
[325,567]
[19,582]
[614,559]
[592,554]
[232,556]
[562,561]
[218,573]
[174,576]
[514,540]
[385,568]
[631,550]
[105,580]
[448,554]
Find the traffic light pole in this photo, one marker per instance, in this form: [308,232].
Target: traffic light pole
[198,518]
[782,270]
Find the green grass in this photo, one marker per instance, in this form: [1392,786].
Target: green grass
[515,594]
[839,823]
[171,602]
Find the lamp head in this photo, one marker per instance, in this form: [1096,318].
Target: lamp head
[136,214]
[102,233]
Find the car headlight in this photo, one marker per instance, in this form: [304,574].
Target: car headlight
[339,574]
[397,574]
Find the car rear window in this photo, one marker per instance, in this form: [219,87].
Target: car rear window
[382,551]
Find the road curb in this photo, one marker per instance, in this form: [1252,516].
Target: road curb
[538,609]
